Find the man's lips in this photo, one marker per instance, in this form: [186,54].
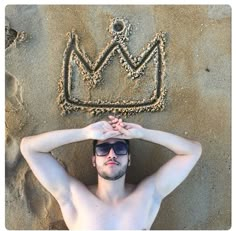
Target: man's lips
[112,163]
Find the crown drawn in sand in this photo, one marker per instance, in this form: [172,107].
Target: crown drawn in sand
[117,81]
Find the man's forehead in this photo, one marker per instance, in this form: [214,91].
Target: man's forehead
[111,141]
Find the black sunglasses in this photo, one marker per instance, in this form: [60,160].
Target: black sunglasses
[120,148]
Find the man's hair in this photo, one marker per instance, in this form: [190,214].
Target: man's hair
[95,142]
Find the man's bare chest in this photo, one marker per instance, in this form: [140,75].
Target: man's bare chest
[131,213]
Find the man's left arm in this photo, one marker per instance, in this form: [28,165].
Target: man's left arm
[174,172]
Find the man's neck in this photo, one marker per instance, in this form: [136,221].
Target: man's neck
[111,191]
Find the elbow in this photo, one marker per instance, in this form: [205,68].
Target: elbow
[25,145]
[197,149]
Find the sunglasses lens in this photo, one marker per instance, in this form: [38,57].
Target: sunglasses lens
[120,148]
[103,149]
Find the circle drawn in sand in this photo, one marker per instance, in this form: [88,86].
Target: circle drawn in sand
[118,26]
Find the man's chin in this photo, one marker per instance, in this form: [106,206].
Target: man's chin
[111,177]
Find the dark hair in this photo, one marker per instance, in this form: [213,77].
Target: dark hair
[95,142]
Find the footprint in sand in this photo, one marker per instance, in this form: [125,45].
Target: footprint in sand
[13,92]
[14,103]
[12,151]
[17,117]
[38,201]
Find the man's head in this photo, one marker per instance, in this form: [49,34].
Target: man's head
[111,158]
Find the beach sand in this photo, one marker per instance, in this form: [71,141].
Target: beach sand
[194,96]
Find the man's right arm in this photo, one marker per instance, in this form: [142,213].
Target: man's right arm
[36,151]
[48,141]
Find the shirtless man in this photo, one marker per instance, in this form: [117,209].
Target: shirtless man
[111,204]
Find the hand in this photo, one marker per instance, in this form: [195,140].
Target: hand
[101,130]
[127,130]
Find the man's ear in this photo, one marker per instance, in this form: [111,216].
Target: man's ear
[94,161]
[129,159]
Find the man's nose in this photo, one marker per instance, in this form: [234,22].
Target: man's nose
[112,154]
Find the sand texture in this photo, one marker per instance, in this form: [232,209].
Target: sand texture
[164,67]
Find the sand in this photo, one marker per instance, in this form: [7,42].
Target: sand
[191,100]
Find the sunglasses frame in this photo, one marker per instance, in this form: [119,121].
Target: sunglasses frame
[112,146]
